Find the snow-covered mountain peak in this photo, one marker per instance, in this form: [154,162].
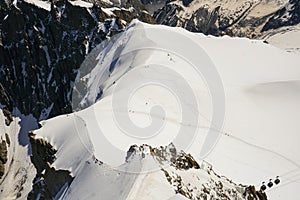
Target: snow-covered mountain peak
[159,113]
[136,62]
[120,108]
[142,91]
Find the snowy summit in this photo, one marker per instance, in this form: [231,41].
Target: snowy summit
[190,116]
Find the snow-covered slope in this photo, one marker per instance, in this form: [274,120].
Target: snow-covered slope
[18,171]
[233,102]
[285,38]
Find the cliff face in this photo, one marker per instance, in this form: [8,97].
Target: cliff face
[289,15]
[3,156]
[48,181]
[244,18]
[42,46]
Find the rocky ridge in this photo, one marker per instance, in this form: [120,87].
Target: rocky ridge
[183,173]
[193,180]
[243,18]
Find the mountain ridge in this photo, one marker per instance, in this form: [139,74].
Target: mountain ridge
[41,50]
[250,19]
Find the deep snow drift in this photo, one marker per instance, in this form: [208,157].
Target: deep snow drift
[250,136]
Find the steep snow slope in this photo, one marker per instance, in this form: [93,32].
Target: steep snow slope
[19,172]
[250,136]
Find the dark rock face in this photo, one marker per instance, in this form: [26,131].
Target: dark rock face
[252,194]
[48,181]
[203,21]
[179,160]
[8,115]
[168,15]
[39,54]
[186,2]
[218,19]
[42,153]
[3,157]
[287,16]
[40,51]
[152,5]
[185,161]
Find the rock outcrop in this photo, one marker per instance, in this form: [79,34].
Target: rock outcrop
[289,15]
[244,18]
[202,182]
[3,156]
[48,181]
